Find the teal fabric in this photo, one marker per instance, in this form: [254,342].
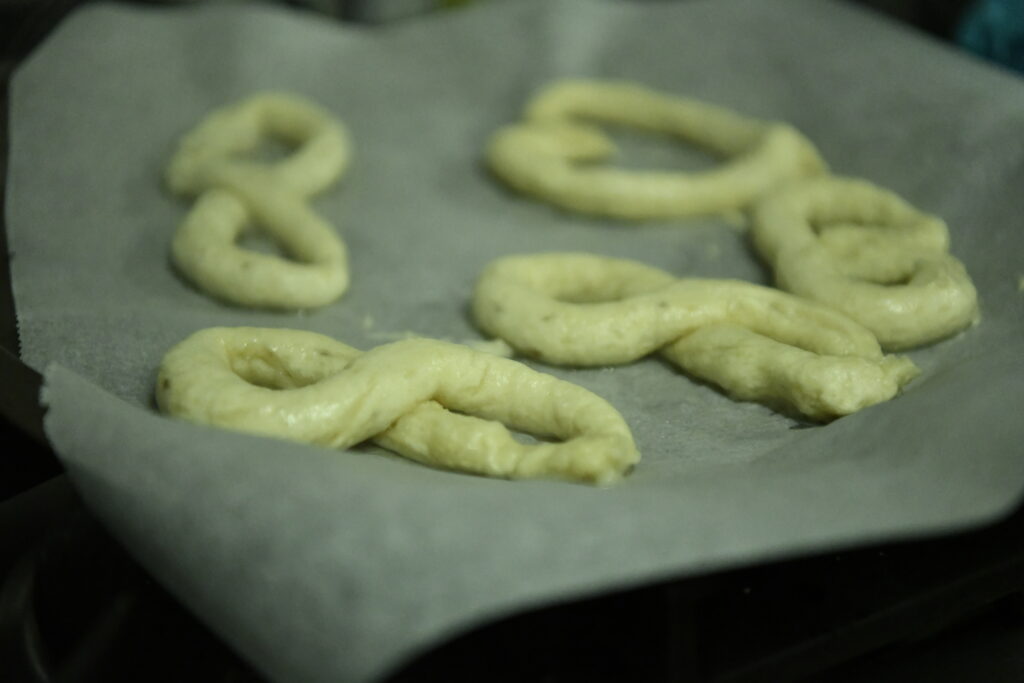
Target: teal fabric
[995,29]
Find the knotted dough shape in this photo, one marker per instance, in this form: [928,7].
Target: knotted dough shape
[756,343]
[864,251]
[234,194]
[307,387]
[553,155]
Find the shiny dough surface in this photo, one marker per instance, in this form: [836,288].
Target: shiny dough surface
[754,342]
[310,388]
[554,154]
[234,193]
[864,251]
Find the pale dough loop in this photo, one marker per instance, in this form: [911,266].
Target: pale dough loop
[308,387]
[868,253]
[756,343]
[552,155]
[234,193]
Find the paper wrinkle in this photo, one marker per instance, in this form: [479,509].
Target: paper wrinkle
[322,566]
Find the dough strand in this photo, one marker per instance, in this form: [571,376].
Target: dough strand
[553,155]
[308,387]
[866,252]
[234,194]
[756,343]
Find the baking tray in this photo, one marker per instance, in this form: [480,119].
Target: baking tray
[838,605]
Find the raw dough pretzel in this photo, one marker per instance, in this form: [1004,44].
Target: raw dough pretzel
[757,343]
[307,387]
[866,252]
[546,155]
[234,192]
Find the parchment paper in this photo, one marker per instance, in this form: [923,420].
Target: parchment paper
[324,566]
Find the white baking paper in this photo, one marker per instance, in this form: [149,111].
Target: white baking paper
[326,566]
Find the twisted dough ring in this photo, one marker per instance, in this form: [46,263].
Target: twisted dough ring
[233,193]
[310,388]
[544,156]
[756,343]
[866,252]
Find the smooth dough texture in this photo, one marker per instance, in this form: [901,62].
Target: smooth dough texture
[234,194]
[310,388]
[756,343]
[553,155]
[866,252]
